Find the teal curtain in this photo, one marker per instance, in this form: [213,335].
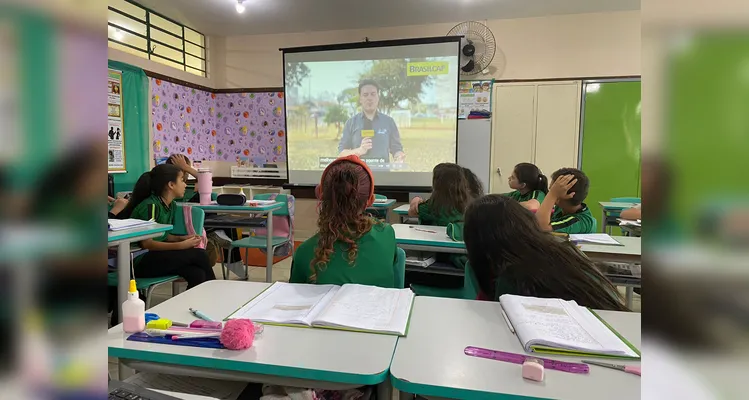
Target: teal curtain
[135,124]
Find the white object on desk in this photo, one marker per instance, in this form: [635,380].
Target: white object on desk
[357,307]
[562,325]
[430,360]
[282,356]
[122,224]
[409,238]
[595,238]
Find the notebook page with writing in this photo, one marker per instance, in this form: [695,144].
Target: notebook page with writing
[122,224]
[556,323]
[286,303]
[595,238]
[368,308]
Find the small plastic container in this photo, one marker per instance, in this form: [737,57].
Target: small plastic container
[133,311]
[533,369]
[205,185]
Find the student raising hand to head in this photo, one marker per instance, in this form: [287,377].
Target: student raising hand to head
[563,209]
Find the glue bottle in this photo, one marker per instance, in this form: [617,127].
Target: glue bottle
[133,311]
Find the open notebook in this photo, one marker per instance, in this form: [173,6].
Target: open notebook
[348,307]
[594,238]
[557,326]
[122,224]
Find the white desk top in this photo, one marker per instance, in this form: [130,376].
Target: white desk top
[430,360]
[255,209]
[613,205]
[135,234]
[314,354]
[402,209]
[408,234]
[632,247]
[385,204]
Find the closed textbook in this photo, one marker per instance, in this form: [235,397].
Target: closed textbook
[348,307]
[556,326]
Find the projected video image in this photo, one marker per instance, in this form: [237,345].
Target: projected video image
[396,114]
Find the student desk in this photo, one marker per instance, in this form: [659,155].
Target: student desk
[402,212]
[385,205]
[262,210]
[612,206]
[629,253]
[408,237]
[122,240]
[281,355]
[430,360]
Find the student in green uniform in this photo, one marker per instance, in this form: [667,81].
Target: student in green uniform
[474,184]
[351,246]
[153,198]
[450,197]
[569,188]
[510,255]
[529,186]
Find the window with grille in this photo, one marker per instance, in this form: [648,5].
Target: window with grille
[137,30]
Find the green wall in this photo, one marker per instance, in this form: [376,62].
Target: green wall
[135,110]
[611,142]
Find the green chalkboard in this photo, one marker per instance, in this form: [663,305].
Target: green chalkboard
[610,146]
[135,110]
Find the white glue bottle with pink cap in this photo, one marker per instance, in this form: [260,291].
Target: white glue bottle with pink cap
[133,311]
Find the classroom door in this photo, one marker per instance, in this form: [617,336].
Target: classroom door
[512,131]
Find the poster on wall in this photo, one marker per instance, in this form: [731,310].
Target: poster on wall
[474,96]
[115,128]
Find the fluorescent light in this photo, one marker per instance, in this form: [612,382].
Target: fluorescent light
[239,6]
[118,34]
[592,87]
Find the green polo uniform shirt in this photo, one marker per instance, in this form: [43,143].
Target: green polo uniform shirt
[154,208]
[429,216]
[373,264]
[580,222]
[519,197]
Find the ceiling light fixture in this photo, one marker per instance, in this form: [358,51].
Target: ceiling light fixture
[240,6]
[118,34]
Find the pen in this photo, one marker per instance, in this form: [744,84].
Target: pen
[507,320]
[422,230]
[200,315]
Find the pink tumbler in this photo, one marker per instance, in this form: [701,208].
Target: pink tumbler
[205,186]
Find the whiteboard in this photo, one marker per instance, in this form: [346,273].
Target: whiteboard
[474,148]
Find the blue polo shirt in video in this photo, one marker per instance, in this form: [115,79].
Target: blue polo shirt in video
[385,137]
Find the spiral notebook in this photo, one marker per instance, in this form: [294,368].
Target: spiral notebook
[349,307]
[556,326]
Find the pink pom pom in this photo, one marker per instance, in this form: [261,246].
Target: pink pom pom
[238,334]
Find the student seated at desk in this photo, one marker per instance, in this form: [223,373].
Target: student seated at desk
[350,246]
[474,184]
[153,198]
[633,213]
[563,209]
[450,197]
[510,255]
[529,184]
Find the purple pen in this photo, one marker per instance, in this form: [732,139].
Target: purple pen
[514,358]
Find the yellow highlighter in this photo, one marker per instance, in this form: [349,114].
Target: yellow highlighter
[367,133]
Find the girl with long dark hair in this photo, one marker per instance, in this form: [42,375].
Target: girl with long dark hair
[509,254]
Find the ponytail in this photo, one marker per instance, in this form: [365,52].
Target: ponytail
[532,177]
[141,191]
[151,182]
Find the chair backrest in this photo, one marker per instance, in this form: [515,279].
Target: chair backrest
[380,196]
[399,268]
[198,219]
[470,284]
[279,197]
[626,200]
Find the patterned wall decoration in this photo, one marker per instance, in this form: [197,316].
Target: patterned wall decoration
[246,128]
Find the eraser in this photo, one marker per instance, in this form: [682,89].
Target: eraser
[160,323]
[533,369]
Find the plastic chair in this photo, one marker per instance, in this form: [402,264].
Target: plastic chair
[144,285]
[399,268]
[470,284]
[260,242]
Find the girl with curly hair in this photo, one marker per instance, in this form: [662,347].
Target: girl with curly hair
[351,246]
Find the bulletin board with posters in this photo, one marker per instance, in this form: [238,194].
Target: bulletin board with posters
[115,127]
[474,96]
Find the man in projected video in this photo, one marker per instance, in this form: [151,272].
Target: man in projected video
[371,134]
